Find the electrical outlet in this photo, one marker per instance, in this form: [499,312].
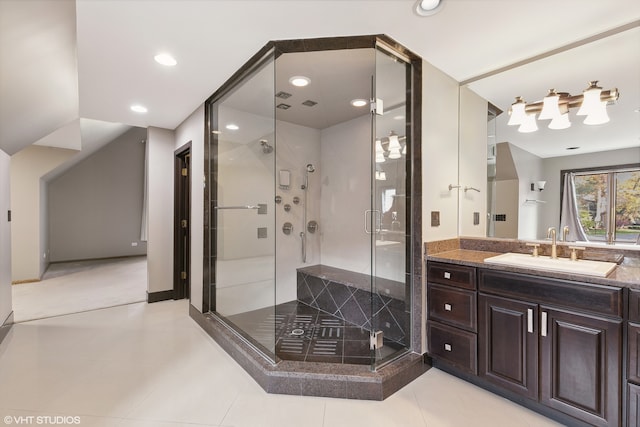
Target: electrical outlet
[435,218]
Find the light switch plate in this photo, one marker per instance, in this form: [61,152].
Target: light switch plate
[435,218]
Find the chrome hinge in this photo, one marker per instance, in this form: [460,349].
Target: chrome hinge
[185,172]
[376,340]
[183,275]
[376,106]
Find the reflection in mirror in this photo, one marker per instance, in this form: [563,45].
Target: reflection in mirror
[517,206]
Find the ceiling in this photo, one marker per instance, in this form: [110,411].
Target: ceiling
[64,60]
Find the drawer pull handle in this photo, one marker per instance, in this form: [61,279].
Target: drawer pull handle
[447,275]
[447,307]
[543,327]
[447,347]
[530,320]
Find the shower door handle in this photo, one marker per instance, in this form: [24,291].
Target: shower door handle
[238,207]
[367,215]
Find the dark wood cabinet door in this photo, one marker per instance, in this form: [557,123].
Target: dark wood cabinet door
[508,344]
[580,365]
[633,394]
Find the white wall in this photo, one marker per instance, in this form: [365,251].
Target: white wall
[160,209]
[529,168]
[472,163]
[346,195]
[5,238]
[27,168]
[551,173]
[439,153]
[192,129]
[95,207]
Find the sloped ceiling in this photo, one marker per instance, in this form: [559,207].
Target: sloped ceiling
[43,88]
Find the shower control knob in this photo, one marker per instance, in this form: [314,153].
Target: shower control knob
[296,200]
[287,207]
[278,199]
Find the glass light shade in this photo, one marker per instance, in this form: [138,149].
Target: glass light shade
[404,150]
[529,124]
[394,153]
[560,122]
[591,100]
[598,115]
[379,158]
[550,106]
[518,116]
[379,152]
[381,176]
[394,143]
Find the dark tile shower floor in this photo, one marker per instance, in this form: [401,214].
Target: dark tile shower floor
[303,333]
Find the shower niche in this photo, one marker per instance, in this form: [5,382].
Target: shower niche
[312,215]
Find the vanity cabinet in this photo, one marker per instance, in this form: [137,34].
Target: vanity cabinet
[633,361]
[554,341]
[452,319]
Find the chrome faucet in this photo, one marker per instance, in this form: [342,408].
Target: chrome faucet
[565,233]
[551,233]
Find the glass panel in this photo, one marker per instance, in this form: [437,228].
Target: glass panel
[592,196]
[391,298]
[628,207]
[243,211]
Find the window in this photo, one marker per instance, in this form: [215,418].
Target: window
[608,202]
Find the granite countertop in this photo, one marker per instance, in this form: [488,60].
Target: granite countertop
[625,275]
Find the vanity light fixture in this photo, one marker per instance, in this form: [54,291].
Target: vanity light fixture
[592,103]
[300,81]
[428,7]
[358,102]
[379,152]
[394,146]
[139,108]
[165,59]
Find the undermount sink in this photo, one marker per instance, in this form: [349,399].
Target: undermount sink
[564,265]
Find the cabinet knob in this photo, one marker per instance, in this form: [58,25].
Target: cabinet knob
[447,347]
[447,307]
[447,275]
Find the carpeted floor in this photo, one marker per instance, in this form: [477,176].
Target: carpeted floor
[75,287]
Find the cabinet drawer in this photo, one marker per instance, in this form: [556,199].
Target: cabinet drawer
[634,306]
[453,306]
[451,274]
[634,352]
[452,345]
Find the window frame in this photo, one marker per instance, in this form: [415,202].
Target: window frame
[611,211]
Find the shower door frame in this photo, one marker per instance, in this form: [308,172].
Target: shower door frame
[414,264]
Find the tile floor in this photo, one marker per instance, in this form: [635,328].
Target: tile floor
[150,365]
[73,287]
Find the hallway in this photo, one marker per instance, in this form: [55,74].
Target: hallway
[150,365]
[73,287]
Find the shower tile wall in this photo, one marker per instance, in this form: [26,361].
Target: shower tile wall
[296,146]
[345,295]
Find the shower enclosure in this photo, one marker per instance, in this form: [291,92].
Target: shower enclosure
[312,201]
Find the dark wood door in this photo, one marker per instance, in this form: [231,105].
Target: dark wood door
[182,223]
[580,365]
[508,344]
[634,405]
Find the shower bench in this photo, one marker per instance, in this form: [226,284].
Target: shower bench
[348,296]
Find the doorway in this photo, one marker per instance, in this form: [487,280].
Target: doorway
[182,222]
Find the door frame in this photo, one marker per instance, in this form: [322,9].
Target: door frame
[182,211]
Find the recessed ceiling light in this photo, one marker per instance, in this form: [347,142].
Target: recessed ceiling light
[139,108]
[299,81]
[572,148]
[428,7]
[165,59]
[232,126]
[358,102]
[398,117]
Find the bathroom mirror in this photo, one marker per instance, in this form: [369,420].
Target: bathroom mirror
[540,155]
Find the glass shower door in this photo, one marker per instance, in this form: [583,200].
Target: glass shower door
[390,278]
[243,212]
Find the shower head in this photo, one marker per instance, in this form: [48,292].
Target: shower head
[266,148]
[310,168]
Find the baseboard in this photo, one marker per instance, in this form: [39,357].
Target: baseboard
[159,296]
[6,326]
